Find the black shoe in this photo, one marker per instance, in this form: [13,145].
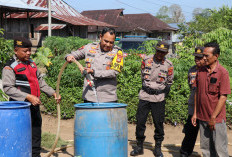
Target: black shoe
[157,151]
[138,150]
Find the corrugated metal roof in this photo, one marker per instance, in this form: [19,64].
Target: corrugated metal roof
[61,11]
[19,5]
[44,27]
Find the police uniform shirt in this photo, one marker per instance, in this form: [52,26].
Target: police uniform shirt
[104,77]
[155,75]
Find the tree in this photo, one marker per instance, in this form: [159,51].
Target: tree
[172,14]
[176,13]
[210,20]
[163,14]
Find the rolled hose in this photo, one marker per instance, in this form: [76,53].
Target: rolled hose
[58,104]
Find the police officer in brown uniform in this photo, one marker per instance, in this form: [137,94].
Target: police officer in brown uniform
[22,82]
[103,61]
[190,131]
[157,76]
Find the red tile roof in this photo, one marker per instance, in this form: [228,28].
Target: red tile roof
[61,11]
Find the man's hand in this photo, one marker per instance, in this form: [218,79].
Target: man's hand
[88,70]
[70,58]
[57,99]
[34,100]
[194,120]
[211,123]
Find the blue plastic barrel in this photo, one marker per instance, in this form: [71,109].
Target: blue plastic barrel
[15,129]
[100,130]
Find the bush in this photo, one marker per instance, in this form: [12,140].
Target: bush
[6,51]
[62,45]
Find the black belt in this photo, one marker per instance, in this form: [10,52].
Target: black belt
[152,91]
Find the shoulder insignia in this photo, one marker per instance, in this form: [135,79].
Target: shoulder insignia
[8,68]
[81,48]
[170,71]
[117,62]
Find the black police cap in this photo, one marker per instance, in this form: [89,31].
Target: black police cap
[162,46]
[22,42]
[199,51]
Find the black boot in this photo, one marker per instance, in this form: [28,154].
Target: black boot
[138,150]
[157,151]
[183,154]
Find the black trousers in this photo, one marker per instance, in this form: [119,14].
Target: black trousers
[158,113]
[36,121]
[189,140]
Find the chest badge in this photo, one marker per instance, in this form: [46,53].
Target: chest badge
[32,65]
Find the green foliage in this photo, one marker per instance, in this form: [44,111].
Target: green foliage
[42,57]
[6,50]
[62,45]
[129,84]
[70,87]
[210,20]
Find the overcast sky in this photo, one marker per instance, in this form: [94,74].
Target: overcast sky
[147,6]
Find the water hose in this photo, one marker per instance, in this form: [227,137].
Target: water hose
[58,104]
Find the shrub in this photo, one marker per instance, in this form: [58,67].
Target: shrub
[6,50]
[64,45]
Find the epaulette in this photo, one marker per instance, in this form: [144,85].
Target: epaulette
[148,57]
[9,62]
[168,61]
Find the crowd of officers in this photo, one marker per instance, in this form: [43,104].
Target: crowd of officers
[208,81]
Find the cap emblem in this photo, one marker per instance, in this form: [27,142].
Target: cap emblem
[198,51]
[19,43]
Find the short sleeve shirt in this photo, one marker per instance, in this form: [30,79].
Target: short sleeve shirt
[210,87]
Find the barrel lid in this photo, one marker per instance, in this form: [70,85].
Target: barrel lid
[14,104]
[100,105]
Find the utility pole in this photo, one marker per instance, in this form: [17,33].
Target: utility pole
[49,19]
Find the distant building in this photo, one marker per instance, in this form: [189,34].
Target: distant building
[129,24]
[66,21]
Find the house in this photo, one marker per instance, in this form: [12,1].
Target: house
[114,17]
[129,24]
[66,21]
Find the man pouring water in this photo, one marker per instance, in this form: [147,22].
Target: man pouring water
[103,61]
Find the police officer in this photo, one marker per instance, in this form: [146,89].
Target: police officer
[22,82]
[190,131]
[157,77]
[103,61]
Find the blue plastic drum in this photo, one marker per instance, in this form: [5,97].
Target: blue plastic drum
[100,130]
[15,130]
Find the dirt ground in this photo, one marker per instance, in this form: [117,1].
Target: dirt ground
[173,135]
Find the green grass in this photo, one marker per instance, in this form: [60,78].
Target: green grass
[48,140]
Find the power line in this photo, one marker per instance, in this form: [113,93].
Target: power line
[163,5]
[134,7]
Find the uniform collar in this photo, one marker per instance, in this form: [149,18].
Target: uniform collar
[19,61]
[217,67]
[159,62]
